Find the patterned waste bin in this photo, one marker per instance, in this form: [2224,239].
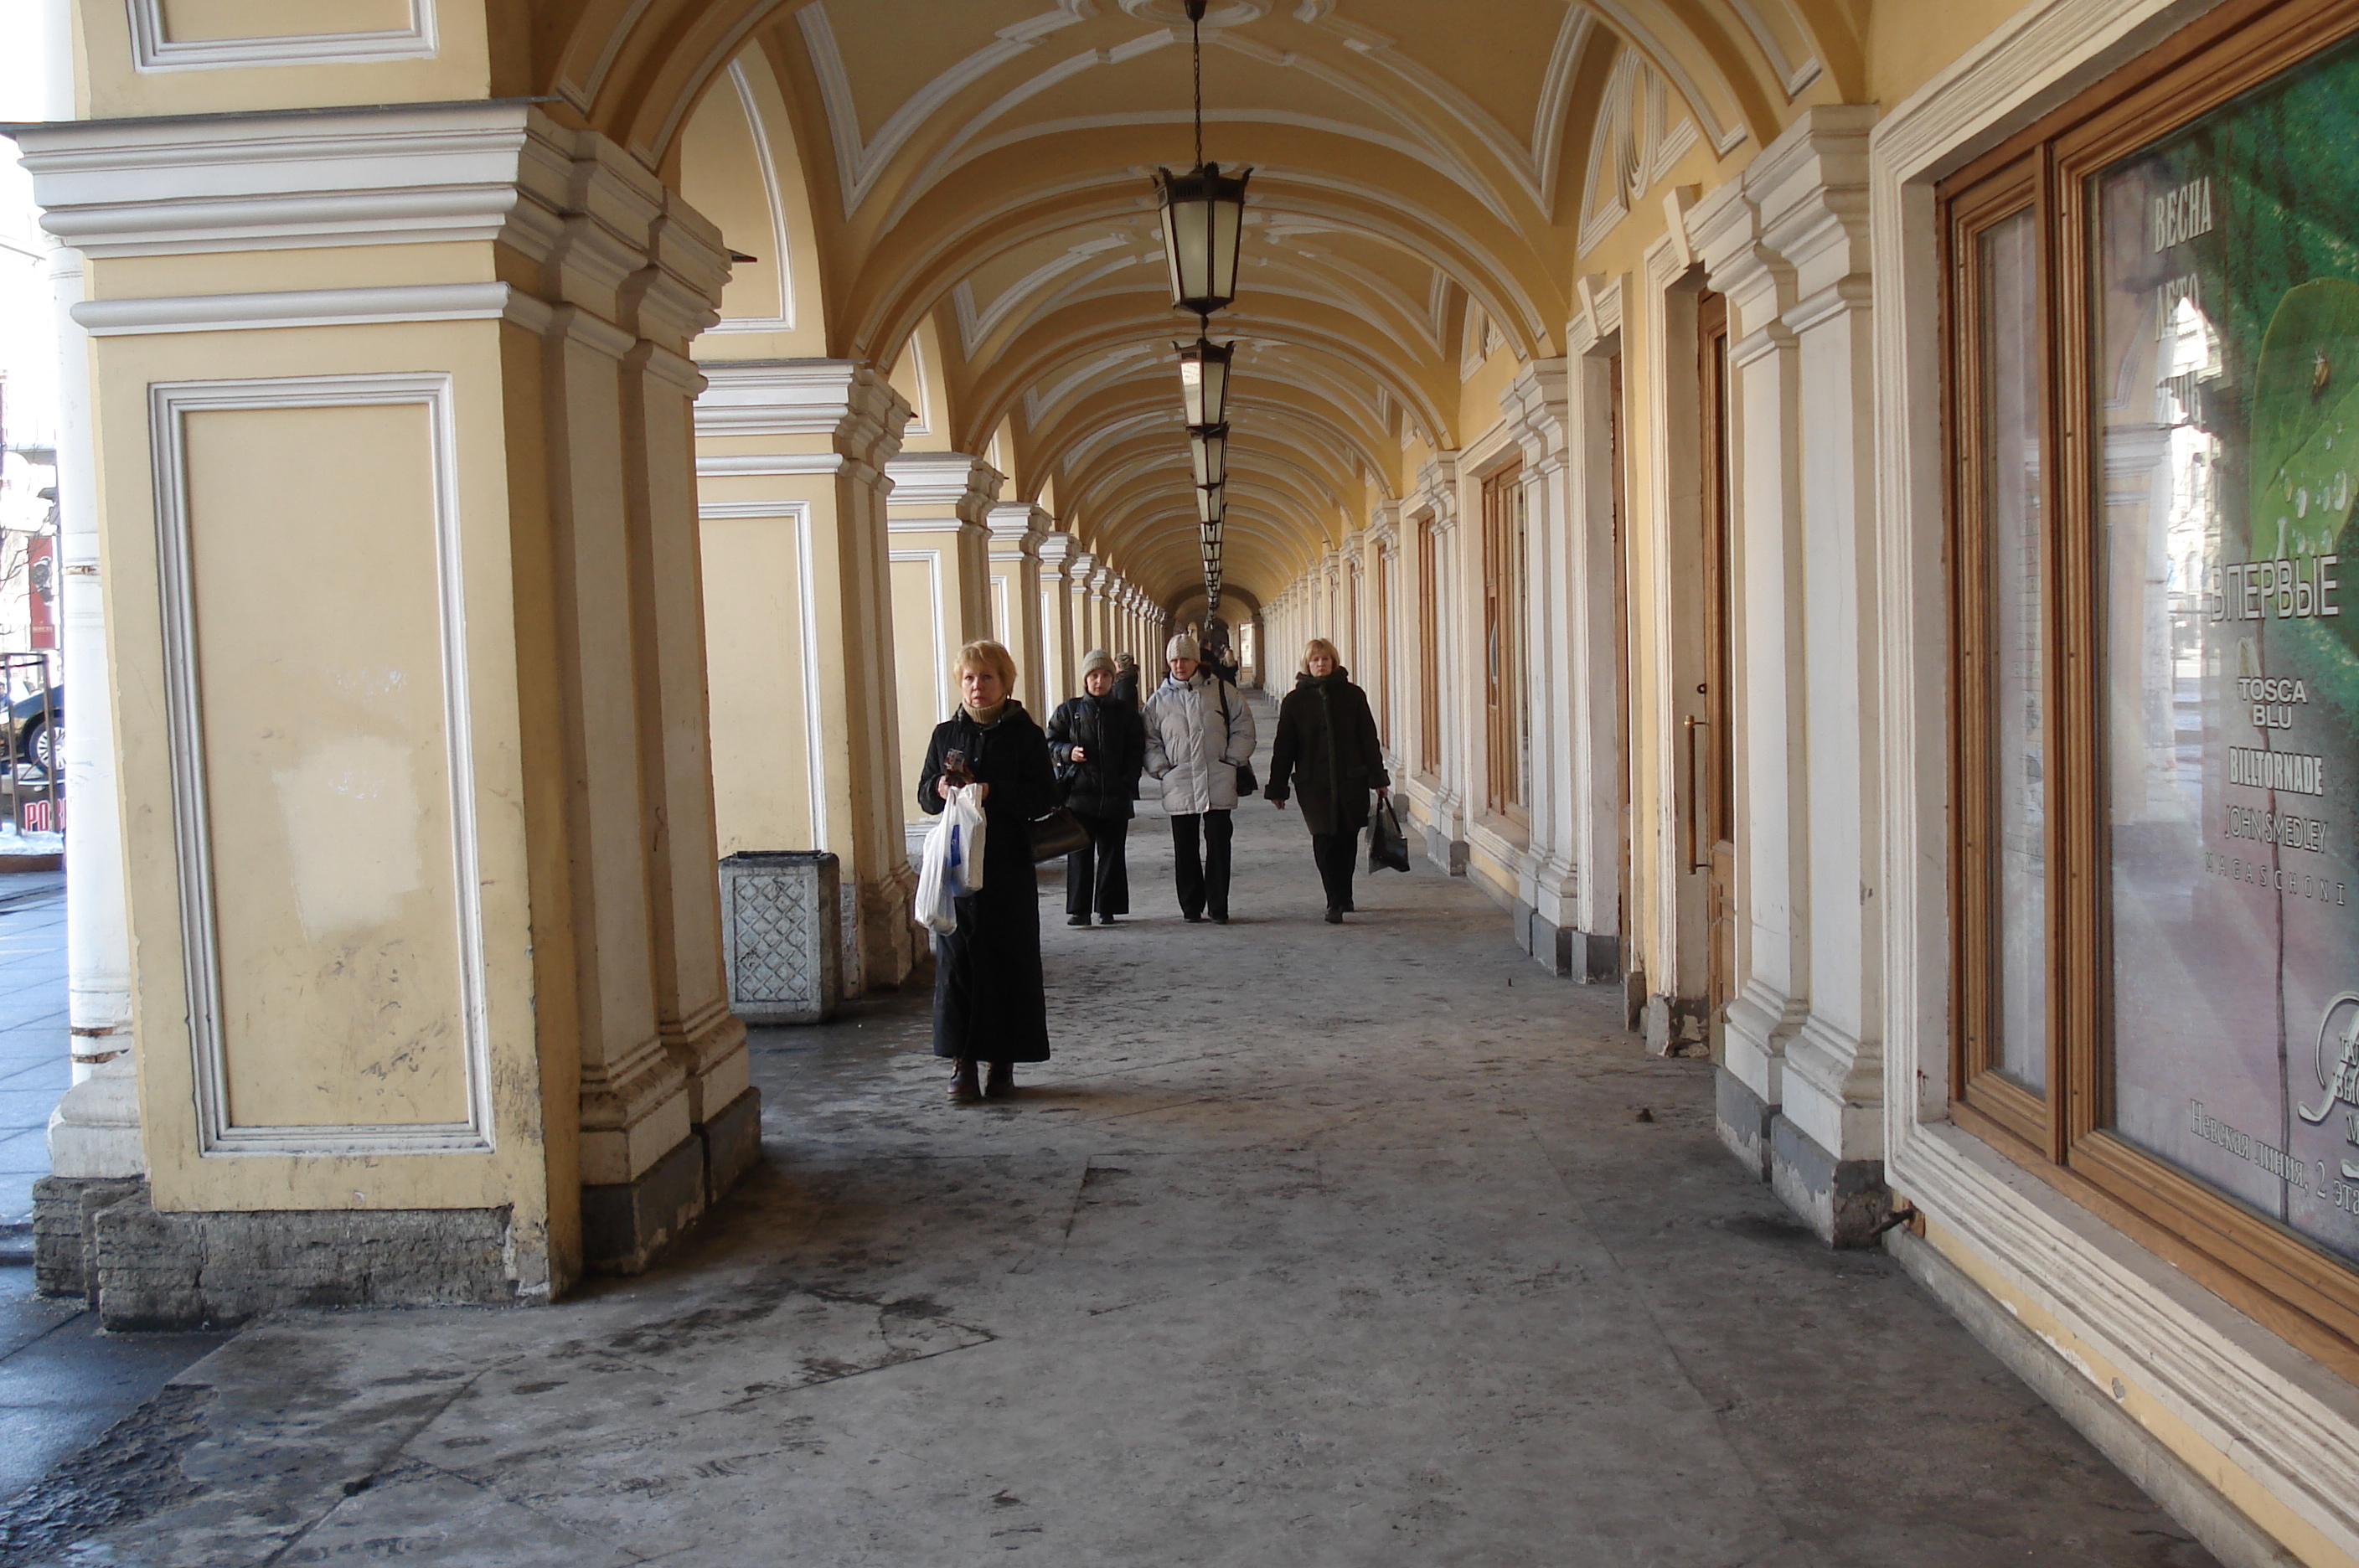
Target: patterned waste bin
[781,926]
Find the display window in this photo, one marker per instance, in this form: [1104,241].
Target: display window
[2153,306]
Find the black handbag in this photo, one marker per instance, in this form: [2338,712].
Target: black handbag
[1057,834]
[1247,782]
[1387,841]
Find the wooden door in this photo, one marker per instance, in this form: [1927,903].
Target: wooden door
[1711,737]
[1634,979]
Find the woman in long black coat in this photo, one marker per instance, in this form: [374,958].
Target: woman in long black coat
[1328,753]
[990,1001]
[1099,744]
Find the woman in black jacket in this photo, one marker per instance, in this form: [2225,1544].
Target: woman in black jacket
[990,1001]
[1327,752]
[1099,744]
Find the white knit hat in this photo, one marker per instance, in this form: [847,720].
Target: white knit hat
[1182,646]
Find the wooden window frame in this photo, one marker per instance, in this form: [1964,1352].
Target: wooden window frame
[1428,651]
[2289,1283]
[1505,722]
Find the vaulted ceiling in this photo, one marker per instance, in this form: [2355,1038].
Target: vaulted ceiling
[1421,170]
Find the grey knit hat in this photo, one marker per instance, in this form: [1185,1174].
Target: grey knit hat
[1096,659]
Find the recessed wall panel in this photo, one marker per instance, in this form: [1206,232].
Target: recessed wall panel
[211,21]
[315,626]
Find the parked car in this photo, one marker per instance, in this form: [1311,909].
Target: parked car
[36,728]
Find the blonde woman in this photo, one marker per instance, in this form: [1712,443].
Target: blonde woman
[1327,751]
[990,1005]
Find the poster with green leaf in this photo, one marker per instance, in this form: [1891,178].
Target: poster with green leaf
[2226,393]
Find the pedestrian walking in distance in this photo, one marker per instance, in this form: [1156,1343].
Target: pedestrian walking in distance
[1198,733]
[1125,679]
[990,1001]
[1327,754]
[1099,744]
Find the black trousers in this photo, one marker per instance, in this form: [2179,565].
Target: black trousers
[1335,852]
[1099,872]
[1203,882]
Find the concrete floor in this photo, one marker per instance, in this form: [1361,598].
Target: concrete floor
[1313,1246]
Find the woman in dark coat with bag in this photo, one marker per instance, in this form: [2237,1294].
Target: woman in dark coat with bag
[1099,744]
[1327,752]
[990,998]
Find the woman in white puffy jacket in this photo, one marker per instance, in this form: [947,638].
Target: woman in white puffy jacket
[1199,730]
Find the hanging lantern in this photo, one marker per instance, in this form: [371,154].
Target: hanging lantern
[1203,223]
[1211,450]
[1211,504]
[1204,382]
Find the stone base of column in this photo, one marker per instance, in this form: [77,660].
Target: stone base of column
[625,1225]
[1742,1119]
[1678,1026]
[1447,852]
[101,1239]
[1567,952]
[1845,1200]
[65,1241]
[889,938]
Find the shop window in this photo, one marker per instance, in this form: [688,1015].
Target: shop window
[2154,423]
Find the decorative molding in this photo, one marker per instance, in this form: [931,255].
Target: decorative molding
[859,163]
[965,484]
[168,402]
[152,50]
[311,307]
[418,174]
[766,163]
[2257,1402]
[797,513]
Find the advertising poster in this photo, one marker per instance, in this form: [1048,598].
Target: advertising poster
[2225,391]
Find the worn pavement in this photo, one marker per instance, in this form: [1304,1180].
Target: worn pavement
[1315,1246]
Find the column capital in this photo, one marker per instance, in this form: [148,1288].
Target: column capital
[1079,569]
[843,401]
[1057,551]
[966,484]
[1018,528]
[1535,405]
[1811,185]
[1436,489]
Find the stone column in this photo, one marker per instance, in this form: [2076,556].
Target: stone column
[941,588]
[1597,692]
[1017,531]
[1436,491]
[414,786]
[1770,700]
[93,1136]
[1060,661]
[1080,568]
[1555,663]
[1827,1140]
[1103,579]
[805,719]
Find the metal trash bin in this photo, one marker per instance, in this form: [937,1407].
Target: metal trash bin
[782,931]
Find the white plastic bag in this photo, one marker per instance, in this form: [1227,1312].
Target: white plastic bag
[951,867]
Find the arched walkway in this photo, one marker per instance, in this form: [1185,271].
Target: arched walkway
[1312,1246]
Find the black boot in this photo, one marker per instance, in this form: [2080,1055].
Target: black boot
[1001,1084]
[963,1087]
